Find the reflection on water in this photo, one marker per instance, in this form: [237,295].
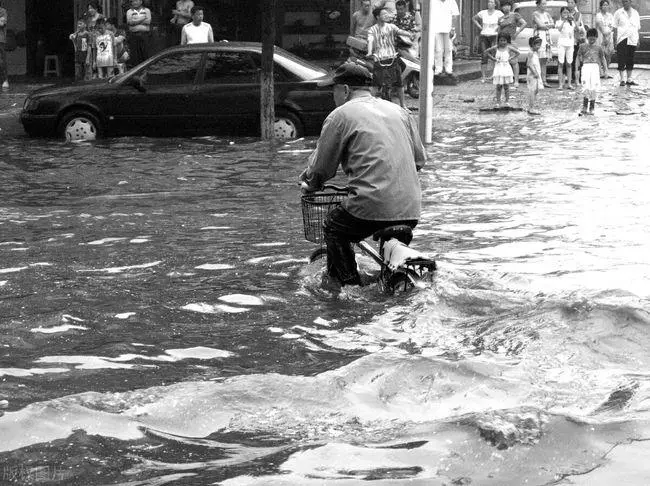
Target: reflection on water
[160,325]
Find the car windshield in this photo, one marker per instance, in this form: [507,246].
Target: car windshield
[527,13]
[298,66]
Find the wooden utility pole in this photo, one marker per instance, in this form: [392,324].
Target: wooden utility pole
[267,96]
[426,74]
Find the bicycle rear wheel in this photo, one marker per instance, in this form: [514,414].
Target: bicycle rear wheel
[398,282]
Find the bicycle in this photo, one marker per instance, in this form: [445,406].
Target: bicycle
[401,267]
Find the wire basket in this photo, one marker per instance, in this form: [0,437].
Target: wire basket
[315,208]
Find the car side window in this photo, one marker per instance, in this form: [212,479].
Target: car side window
[228,67]
[175,69]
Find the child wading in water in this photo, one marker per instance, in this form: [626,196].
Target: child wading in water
[502,76]
[534,73]
[591,58]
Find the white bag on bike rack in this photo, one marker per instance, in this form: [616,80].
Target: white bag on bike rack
[397,253]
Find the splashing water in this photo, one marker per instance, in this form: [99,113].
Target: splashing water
[160,325]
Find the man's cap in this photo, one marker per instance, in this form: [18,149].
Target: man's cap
[348,73]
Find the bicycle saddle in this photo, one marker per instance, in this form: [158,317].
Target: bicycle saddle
[401,232]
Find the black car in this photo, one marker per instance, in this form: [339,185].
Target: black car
[192,89]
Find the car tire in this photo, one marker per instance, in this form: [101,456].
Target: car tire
[287,126]
[413,85]
[78,125]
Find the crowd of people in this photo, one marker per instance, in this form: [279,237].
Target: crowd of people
[405,15]
[582,52]
[102,49]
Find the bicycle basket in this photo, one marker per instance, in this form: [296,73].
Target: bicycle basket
[315,207]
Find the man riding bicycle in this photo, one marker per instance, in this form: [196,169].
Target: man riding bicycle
[378,146]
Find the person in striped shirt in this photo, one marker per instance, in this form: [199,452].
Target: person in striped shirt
[381,48]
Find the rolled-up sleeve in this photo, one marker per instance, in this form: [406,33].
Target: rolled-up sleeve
[419,152]
[324,161]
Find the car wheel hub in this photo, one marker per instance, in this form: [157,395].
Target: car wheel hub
[284,129]
[80,129]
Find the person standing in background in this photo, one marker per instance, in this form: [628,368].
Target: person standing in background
[182,16]
[197,32]
[362,20]
[3,45]
[542,25]
[405,20]
[512,23]
[138,19]
[579,35]
[93,15]
[445,15]
[604,24]
[81,40]
[488,22]
[627,24]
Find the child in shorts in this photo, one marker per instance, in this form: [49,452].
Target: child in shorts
[121,54]
[591,58]
[533,73]
[104,50]
[81,39]
[565,44]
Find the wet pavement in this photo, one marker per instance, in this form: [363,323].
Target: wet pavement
[160,324]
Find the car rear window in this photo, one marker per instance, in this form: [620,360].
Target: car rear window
[298,66]
[527,14]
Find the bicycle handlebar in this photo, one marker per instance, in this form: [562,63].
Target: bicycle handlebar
[332,187]
[337,188]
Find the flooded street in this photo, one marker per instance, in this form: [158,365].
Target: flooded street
[160,324]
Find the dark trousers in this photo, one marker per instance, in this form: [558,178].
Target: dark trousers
[341,230]
[625,56]
[486,42]
[3,63]
[574,74]
[138,47]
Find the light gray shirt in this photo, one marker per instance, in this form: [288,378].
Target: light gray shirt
[378,146]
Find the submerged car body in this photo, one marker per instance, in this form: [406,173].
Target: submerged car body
[192,89]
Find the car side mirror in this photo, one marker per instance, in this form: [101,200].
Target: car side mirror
[138,83]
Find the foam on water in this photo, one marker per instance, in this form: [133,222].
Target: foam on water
[242,299]
[204,308]
[122,269]
[56,329]
[214,266]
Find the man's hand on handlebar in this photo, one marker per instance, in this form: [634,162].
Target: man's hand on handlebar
[306,188]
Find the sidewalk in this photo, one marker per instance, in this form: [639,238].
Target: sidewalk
[464,69]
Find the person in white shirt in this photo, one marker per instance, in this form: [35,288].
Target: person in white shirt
[488,22]
[445,15]
[565,47]
[197,31]
[626,27]
[138,20]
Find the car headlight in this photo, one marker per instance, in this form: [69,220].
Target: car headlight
[30,104]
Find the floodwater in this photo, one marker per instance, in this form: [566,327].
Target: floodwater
[160,325]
